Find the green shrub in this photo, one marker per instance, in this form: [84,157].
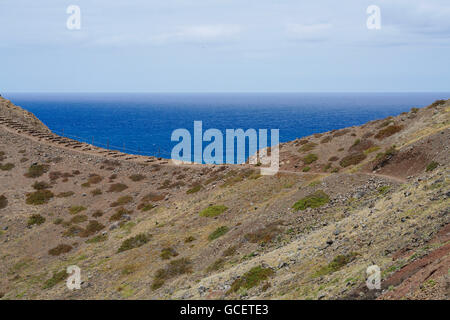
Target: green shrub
[168,253]
[432,165]
[383,189]
[217,265]
[314,200]
[194,189]
[137,177]
[37,170]
[263,235]
[120,212]
[306,169]
[76,209]
[173,269]
[35,219]
[371,149]
[145,206]
[307,147]
[134,242]
[7,166]
[117,187]
[92,228]
[3,202]
[122,201]
[60,249]
[251,278]
[338,263]
[352,159]
[65,194]
[39,197]
[41,185]
[189,239]
[220,231]
[388,131]
[97,214]
[79,218]
[97,239]
[96,192]
[57,278]
[310,158]
[213,211]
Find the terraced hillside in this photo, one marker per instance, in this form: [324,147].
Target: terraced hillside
[144,228]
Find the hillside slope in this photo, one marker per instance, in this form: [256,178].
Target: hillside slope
[143,228]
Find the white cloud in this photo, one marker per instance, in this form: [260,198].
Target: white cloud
[184,34]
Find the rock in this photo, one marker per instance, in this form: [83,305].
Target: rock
[115,225]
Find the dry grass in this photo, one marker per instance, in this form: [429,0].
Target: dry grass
[122,201]
[137,177]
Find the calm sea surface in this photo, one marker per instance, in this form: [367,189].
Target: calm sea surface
[143,123]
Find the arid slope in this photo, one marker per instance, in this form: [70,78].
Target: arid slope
[144,228]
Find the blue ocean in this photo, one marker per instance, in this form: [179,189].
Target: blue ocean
[142,123]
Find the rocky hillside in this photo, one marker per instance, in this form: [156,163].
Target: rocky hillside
[144,228]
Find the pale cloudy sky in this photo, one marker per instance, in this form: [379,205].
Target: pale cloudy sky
[224,45]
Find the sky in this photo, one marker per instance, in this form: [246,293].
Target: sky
[224,46]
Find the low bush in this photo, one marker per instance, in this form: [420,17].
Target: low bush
[35,219]
[173,269]
[333,158]
[310,158]
[145,206]
[352,159]
[65,194]
[117,187]
[97,214]
[96,192]
[431,166]
[168,253]
[264,235]
[314,200]
[92,228]
[97,239]
[338,263]
[326,139]
[37,170]
[307,147]
[79,218]
[251,278]
[134,242]
[153,197]
[306,169]
[388,131]
[213,211]
[118,215]
[76,209]
[3,202]
[220,231]
[7,166]
[57,278]
[39,197]
[194,189]
[41,185]
[60,249]
[137,177]
[122,201]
